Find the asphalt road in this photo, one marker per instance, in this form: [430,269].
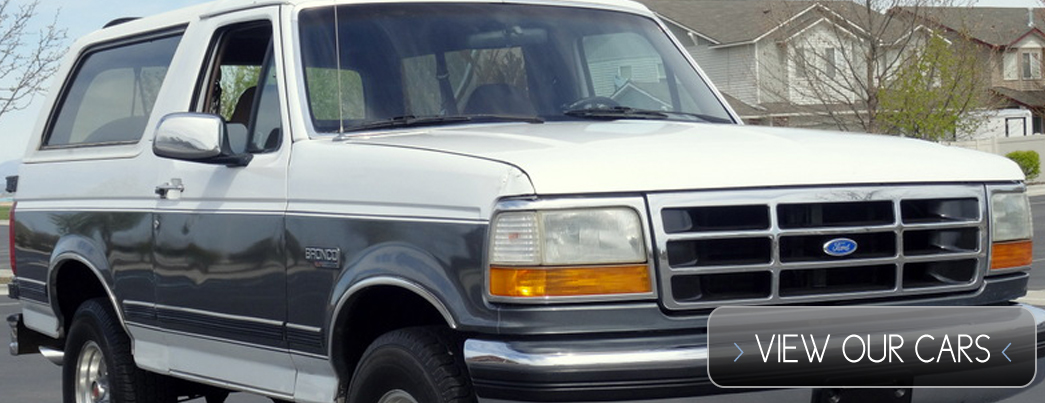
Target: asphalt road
[1037,278]
[32,379]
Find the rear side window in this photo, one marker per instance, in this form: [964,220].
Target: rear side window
[112,92]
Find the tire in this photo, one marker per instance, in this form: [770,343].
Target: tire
[413,365]
[99,366]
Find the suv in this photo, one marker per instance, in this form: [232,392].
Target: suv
[358,201]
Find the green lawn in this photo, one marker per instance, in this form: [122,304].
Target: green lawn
[4,209]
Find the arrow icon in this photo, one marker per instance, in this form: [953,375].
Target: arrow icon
[1002,352]
[742,352]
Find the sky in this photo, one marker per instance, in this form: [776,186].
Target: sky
[80,17]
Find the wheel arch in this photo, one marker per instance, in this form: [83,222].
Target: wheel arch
[69,268]
[367,300]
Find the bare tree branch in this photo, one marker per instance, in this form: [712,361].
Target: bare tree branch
[838,58]
[27,58]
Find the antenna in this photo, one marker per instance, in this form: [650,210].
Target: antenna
[337,63]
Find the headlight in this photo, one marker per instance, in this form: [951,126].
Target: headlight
[1011,231]
[568,253]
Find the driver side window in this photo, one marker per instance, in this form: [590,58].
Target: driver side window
[242,88]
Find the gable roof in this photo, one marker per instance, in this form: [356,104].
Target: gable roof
[728,21]
[732,22]
[996,26]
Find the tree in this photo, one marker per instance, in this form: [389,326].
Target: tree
[841,57]
[234,81]
[28,58]
[930,97]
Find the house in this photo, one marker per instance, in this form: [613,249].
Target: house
[1012,39]
[792,63]
[820,64]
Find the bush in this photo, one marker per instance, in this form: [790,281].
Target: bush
[1028,161]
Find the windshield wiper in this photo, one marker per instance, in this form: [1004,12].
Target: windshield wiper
[414,121]
[407,121]
[625,112]
[616,112]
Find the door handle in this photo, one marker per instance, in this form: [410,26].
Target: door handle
[165,190]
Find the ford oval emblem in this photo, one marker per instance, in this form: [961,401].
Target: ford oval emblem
[840,247]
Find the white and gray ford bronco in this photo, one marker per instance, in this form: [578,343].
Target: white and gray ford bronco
[451,201]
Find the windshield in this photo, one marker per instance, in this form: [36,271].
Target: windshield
[409,63]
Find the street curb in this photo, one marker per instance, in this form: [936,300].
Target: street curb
[1033,298]
[1036,190]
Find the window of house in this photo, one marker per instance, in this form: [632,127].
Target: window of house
[1010,69]
[801,62]
[1030,63]
[830,62]
[112,93]
[624,72]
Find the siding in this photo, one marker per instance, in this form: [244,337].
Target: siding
[816,40]
[773,72]
[606,78]
[742,82]
[731,70]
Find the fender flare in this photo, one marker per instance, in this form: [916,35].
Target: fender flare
[371,282]
[71,249]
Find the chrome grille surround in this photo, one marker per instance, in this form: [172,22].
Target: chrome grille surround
[954,245]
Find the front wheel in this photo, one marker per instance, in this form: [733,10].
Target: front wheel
[99,367]
[413,365]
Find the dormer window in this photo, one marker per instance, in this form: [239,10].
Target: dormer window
[1030,64]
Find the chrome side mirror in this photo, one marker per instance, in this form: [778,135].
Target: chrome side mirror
[196,137]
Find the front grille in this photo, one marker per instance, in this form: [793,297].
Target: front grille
[771,247]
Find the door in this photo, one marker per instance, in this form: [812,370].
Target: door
[219,250]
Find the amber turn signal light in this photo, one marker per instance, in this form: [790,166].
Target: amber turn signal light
[534,282]
[1006,255]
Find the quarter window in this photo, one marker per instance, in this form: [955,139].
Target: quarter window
[112,94]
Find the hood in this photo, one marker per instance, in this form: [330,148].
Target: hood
[644,156]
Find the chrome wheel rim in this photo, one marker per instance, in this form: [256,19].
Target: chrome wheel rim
[92,376]
[397,396]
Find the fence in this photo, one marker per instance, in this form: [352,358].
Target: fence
[1004,145]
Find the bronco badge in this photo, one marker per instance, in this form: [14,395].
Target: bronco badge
[327,258]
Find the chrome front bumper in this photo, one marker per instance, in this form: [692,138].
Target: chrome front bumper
[661,368]
[604,369]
